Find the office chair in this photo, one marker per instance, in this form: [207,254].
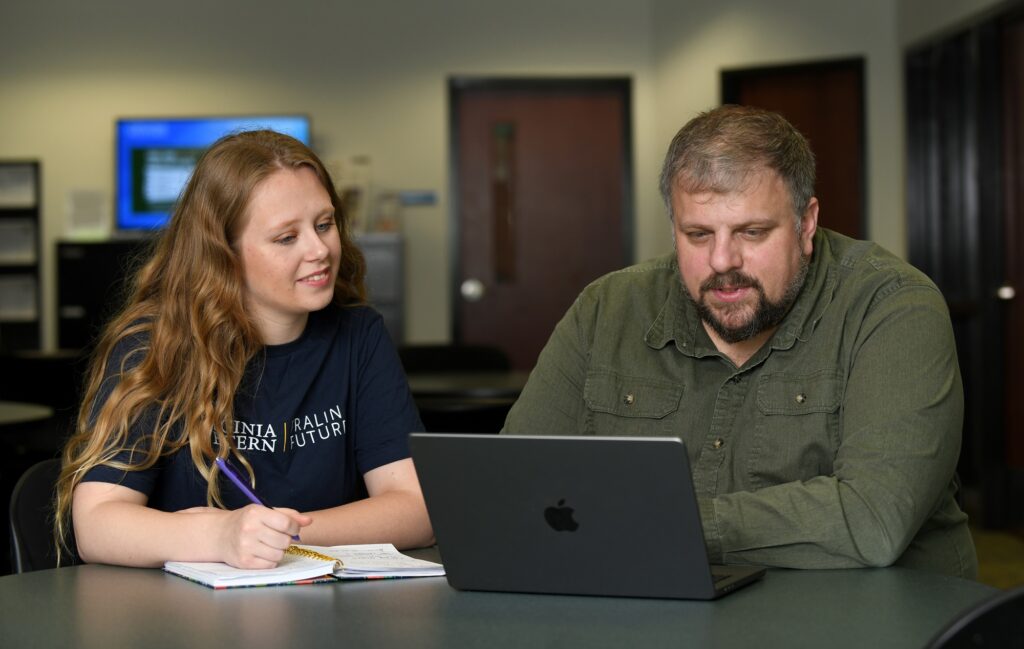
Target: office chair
[31,519]
[459,416]
[995,622]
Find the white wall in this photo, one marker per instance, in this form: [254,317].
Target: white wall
[372,75]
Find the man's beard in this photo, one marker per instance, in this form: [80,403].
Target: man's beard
[767,314]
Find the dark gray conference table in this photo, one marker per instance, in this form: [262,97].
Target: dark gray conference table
[108,608]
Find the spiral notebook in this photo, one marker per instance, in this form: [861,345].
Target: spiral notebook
[309,564]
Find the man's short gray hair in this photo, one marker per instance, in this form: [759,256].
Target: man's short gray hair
[720,150]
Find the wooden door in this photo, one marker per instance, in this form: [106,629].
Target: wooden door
[825,101]
[542,204]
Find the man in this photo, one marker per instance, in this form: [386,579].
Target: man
[813,377]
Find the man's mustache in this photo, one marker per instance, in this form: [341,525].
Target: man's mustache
[732,279]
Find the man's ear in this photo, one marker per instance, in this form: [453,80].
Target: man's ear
[809,226]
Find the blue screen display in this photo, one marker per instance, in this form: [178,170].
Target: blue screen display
[155,158]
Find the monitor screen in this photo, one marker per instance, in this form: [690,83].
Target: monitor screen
[155,157]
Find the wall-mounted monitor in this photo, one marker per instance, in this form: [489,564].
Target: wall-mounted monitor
[155,157]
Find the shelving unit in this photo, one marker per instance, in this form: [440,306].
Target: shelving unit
[20,290]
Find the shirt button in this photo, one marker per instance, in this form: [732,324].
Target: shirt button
[628,399]
[800,398]
[718,443]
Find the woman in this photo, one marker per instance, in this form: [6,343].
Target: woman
[245,337]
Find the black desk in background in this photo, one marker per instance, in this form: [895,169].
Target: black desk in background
[465,402]
[468,385]
[106,607]
[16,413]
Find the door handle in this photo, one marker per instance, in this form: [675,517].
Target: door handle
[1006,292]
[473,290]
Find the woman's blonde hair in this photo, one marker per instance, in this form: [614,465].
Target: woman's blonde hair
[186,315]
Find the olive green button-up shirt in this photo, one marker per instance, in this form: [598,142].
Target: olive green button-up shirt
[834,446]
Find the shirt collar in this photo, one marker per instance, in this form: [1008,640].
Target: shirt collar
[677,321]
[814,298]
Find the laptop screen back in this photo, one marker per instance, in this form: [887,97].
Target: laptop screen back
[578,515]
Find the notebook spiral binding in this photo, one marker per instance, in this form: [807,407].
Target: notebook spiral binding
[313,554]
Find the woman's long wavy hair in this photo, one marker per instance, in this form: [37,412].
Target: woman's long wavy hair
[187,305]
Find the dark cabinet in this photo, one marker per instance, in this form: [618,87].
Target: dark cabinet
[92,285]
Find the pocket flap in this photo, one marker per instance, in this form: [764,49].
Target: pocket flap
[781,393]
[630,396]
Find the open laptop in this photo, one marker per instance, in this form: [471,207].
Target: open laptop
[572,515]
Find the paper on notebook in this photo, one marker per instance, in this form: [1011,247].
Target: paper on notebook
[377,560]
[372,561]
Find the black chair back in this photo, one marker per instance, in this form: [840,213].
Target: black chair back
[31,519]
[996,622]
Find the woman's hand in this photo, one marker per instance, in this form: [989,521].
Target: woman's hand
[114,525]
[255,537]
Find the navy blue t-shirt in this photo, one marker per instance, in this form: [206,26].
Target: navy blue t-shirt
[311,416]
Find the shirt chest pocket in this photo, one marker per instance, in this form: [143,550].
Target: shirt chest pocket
[619,404]
[798,425]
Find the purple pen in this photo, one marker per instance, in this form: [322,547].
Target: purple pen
[229,470]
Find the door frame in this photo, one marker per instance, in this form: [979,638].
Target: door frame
[457,86]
